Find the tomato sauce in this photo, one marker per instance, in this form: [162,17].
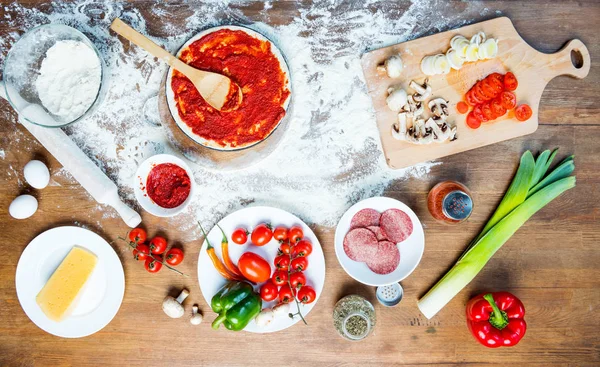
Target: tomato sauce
[168,185]
[250,63]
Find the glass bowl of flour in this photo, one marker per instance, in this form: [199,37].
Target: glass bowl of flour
[53,76]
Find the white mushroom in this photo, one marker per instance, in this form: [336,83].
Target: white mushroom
[172,307]
[439,107]
[422,91]
[396,99]
[196,318]
[402,118]
[393,66]
[265,317]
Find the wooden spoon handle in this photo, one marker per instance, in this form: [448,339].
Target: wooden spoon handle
[573,59]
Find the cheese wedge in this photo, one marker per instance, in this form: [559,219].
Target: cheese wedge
[58,296]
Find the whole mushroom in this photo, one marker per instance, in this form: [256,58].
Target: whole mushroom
[196,318]
[173,307]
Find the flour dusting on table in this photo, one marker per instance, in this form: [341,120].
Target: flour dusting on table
[331,155]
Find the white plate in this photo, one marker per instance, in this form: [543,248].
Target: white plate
[173,104]
[411,250]
[211,281]
[139,185]
[102,294]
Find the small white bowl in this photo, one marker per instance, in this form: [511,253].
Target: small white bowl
[140,185]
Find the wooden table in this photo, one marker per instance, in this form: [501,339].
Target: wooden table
[552,263]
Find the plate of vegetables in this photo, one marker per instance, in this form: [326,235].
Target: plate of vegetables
[259,265]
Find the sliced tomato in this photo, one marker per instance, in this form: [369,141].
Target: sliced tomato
[508,100]
[487,89]
[471,101]
[462,107]
[477,112]
[523,112]
[497,107]
[478,93]
[496,82]
[510,81]
[472,121]
[486,109]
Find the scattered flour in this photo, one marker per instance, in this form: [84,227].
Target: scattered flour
[331,155]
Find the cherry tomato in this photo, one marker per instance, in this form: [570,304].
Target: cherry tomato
[471,101]
[261,235]
[478,92]
[497,107]
[523,112]
[510,81]
[297,280]
[295,234]
[174,256]
[152,265]
[280,234]
[488,90]
[508,100]
[268,291]
[137,235]
[282,262]
[302,248]
[486,109]
[496,81]
[240,236]
[141,251]
[254,268]
[299,264]
[286,294]
[158,245]
[280,277]
[472,121]
[307,295]
[477,112]
[284,248]
[462,107]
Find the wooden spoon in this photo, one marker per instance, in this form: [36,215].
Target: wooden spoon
[213,87]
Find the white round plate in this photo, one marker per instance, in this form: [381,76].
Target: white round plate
[101,297]
[173,104]
[139,185]
[411,250]
[211,281]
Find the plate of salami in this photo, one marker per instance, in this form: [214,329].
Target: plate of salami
[379,241]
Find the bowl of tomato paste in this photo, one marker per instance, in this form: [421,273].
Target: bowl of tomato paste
[253,62]
[164,185]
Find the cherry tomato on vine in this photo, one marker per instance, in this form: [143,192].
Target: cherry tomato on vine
[299,264]
[152,265]
[240,236]
[523,112]
[174,256]
[158,245]
[307,295]
[510,81]
[261,235]
[285,248]
[282,262]
[295,234]
[280,234]
[280,277]
[268,291]
[302,248]
[137,235]
[141,252]
[297,279]
[286,294]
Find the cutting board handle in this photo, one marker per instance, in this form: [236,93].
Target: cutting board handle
[573,59]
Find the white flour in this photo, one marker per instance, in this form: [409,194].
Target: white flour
[69,79]
[331,155]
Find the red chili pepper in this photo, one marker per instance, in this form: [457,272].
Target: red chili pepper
[496,319]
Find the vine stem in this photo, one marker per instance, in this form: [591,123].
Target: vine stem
[293,289]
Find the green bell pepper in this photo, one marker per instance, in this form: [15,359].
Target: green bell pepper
[237,304]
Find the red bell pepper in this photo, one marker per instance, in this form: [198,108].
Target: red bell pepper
[496,319]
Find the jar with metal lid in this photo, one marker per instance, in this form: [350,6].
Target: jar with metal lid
[450,202]
[354,317]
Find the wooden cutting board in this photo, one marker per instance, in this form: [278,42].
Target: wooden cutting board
[532,68]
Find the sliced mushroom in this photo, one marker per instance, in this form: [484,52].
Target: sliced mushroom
[439,107]
[422,91]
[402,118]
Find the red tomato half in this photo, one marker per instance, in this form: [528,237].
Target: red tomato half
[510,81]
[508,100]
[477,112]
[523,112]
[497,107]
[486,109]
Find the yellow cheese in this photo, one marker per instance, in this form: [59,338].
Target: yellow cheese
[60,292]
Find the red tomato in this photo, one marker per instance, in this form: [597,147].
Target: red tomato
[141,251]
[280,234]
[137,235]
[510,81]
[486,109]
[152,265]
[302,248]
[284,248]
[254,268]
[488,90]
[523,112]
[158,245]
[471,101]
[261,235]
[297,280]
[295,234]
[478,92]
[282,262]
[299,264]
[280,277]
[508,100]
[268,291]
[496,81]
[174,256]
[497,107]
[477,112]
[472,121]
[286,294]
[240,236]
[307,295]
[462,107]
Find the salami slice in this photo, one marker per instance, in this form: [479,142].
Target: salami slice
[387,258]
[379,233]
[396,224]
[365,218]
[360,244]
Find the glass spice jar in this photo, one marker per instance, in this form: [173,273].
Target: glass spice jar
[450,202]
[354,317]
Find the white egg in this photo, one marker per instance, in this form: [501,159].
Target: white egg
[36,174]
[23,206]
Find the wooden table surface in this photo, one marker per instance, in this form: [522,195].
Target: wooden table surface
[552,263]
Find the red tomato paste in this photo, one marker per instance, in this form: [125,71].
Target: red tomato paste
[168,185]
[250,63]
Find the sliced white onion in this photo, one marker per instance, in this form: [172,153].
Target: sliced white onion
[472,53]
[441,64]
[455,60]
[427,65]
[488,49]
[457,41]
[478,38]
